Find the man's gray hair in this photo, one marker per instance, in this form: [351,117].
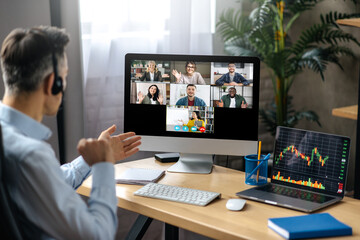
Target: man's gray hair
[26,57]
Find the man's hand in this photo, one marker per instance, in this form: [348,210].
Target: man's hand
[176,74]
[141,97]
[160,99]
[95,151]
[221,103]
[244,105]
[123,145]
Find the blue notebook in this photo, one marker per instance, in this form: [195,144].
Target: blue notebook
[309,226]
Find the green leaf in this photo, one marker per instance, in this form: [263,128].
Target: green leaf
[268,116]
[299,6]
[331,17]
[291,21]
[233,25]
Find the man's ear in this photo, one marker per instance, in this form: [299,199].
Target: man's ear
[48,83]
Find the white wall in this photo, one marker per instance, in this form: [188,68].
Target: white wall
[74,113]
[26,14]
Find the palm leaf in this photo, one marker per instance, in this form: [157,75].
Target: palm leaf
[278,62]
[233,25]
[241,47]
[261,15]
[268,117]
[313,59]
[321,33]
[308,115]
[331,17]
[299,6]
[262,40]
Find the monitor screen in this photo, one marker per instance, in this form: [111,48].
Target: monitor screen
[311,160]
[189,102]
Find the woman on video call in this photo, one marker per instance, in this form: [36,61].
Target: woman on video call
[152,97]
[152,73]
[190,76]
[195,121]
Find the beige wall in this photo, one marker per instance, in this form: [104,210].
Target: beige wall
[339,89]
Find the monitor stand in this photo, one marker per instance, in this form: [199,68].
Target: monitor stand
[193,163]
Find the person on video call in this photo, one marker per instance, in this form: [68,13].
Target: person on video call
[152,97]
[190,76]
[232,78]
[152,73]
[190,99]
[195,121]
[232,100]
[34,67]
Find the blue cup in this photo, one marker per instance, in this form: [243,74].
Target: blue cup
[256,170]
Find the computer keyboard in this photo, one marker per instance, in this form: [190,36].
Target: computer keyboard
[177,194]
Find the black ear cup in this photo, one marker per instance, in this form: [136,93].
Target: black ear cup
[57,87]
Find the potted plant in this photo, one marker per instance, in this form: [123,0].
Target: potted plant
[264,33]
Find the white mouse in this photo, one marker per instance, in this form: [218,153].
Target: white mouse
[235,204]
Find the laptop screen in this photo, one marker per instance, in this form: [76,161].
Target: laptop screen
[311,160]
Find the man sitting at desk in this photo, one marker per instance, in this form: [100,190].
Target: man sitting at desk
[232,100]
[190,99]
[34,67]
[232,78]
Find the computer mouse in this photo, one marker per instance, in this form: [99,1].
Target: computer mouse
[235,204]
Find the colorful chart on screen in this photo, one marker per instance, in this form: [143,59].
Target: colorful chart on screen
[311,159]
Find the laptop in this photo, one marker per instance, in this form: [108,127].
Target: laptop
[308,172]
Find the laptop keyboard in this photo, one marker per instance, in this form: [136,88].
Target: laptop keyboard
[296,193]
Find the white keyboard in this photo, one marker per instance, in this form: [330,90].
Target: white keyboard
[177,194]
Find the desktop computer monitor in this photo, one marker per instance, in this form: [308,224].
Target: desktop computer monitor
[197,105]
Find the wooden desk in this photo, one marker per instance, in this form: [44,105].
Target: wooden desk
[214,220]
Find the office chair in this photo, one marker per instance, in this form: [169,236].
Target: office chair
[8,225]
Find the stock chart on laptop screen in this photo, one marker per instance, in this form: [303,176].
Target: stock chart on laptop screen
[313,160]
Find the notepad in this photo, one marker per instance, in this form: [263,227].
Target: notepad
[309,226]
[140,176]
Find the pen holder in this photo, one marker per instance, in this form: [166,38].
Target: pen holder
[253,166]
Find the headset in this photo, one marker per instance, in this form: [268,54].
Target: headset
[57,86]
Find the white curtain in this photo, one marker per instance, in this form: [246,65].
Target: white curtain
[112,28]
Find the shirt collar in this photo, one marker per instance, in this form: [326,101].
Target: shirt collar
[27,125]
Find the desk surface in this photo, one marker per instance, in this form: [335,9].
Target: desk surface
[214,220]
